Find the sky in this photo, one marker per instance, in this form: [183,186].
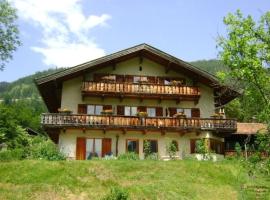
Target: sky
[64,33]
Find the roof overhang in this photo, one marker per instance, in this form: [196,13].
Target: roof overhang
[50,86]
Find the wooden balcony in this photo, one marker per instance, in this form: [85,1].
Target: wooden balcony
[59,120]
[140,90]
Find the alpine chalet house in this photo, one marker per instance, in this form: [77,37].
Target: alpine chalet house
[112,105]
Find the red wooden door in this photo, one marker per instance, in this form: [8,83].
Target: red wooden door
[80,149]
[106,146]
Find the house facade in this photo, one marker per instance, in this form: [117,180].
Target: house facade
[114,104]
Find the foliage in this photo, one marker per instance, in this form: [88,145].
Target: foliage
[117,193]
[262,143]
[11,132]
[246,52]
[238,149]
[171,149]
[12,154]
[147,149]
[128,156]
[211,66]
[9,33]
[152,156]
[43,148]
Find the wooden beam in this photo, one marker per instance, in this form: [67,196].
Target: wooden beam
[168,67]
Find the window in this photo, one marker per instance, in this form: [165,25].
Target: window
[151,112]
[136,79]
[153,145]
[186,111]
[94,109]
[133,146]
[130,110]
[93,148]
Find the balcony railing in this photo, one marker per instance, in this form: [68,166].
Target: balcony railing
[133,89]
[134,122]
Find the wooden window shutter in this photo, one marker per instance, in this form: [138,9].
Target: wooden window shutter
[106,146]
[195,112]
[81,149]
[129,78]
[172,111]
[192,145]
[107,107]
[98,77]
[120,78]
[151,79]
[82,109]
[120,110]
[159,111]
[141,109]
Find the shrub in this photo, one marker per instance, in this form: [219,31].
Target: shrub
[171,149]
[117,193]
[238,149]
[128,156]
[44,148]
[146,149]
[13,154]
[152,156]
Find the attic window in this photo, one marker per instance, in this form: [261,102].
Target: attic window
[140,68]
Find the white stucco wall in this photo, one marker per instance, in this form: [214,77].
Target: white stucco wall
[67,140]
[71,91]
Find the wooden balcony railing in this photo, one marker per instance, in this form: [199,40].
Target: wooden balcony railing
[133,89]
[133,122]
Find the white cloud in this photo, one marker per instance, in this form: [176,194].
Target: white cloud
[65,30]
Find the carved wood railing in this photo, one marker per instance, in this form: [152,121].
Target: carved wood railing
[139,88]
[134,122]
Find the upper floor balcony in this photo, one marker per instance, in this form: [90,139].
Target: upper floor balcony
[140,90]
[61,120]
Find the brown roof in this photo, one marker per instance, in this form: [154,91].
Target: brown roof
[50,86]
[250,128]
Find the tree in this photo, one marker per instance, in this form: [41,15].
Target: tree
[246,51]
[9,33]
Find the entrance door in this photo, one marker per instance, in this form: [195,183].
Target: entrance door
[106,146]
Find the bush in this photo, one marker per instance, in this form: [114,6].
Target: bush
[128,156]
[152,156]
[171,149]
[44,148]
[13,154]
[117,194]
[238,149]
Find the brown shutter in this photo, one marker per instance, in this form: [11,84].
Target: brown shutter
[81,149]
[120,110]
[107,107]
[195,112]
[129,78]
[172,111]
[82,109]
[192,145]
[141,109]
[159,111]
[98,77]
[120,78]
[106,146]
[151,79]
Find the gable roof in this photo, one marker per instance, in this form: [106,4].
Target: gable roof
[50,86]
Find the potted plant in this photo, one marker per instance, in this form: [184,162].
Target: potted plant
[107,112]
[217,116]
[142,114]
[180,115]
[64,111]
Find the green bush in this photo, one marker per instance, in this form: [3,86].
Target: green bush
[44,148]
[171,149]
[117,194]
[128,156]
[238,149]
[152,156]
[13,154]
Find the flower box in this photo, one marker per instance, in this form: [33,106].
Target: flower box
[107,112]
[180,115]
[64,111]
[142,114]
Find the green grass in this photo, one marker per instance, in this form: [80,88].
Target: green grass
[186,179]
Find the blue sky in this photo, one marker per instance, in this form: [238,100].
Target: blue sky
[63,33]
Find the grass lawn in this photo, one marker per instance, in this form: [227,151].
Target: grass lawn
[30,179]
